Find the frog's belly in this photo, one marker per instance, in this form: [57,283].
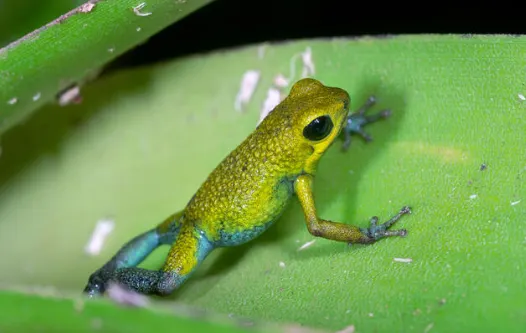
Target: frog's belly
[256,216]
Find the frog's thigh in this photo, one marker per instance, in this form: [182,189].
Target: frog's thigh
[190,249]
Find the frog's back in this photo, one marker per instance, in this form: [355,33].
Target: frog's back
[250,188]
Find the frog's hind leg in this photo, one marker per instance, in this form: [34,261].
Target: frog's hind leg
[190,248]
[134,252]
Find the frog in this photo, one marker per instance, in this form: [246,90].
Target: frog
[248,192]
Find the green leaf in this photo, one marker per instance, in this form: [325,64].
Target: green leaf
[143,141]
[73,48]
[33,312]
[20,17]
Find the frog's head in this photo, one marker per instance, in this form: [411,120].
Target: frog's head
[321,113]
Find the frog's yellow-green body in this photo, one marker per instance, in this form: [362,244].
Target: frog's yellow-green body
[248,191]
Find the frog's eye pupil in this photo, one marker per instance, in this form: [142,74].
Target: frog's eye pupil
[318,129]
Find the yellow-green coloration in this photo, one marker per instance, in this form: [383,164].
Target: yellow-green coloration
[248,191]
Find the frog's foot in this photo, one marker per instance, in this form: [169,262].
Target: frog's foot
[357,120]
[96,285]
[376,232]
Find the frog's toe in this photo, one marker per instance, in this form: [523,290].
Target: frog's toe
[96,286]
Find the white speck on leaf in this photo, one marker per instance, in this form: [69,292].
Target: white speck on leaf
[138,29]
[86,8]
[125,296]
[473,196]
[12,101]
[137,10]
[36,97]
[281,81]
[306,245]
[281,264]
[271,101]
[70,95]
[428,328]
[249,82]
[403,260]
[515,202]
[308,64]
[371,314]
[348,329]
[111,49]
[522,98]
[103,228]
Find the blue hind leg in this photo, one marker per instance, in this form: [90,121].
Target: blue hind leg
[133,253]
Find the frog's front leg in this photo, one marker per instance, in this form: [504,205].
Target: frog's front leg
[133,253]
[339,231]
[357,120]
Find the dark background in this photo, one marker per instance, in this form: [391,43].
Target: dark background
[231,23]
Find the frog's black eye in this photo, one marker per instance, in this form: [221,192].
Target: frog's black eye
[318,129]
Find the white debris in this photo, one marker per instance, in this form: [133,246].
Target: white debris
[521,96]
[86,8]
[428,328]
[515,202]
[103,228]
[111,49]
[12,101]
[246,90]
[371,314]
[138,29]
[348,329]
[272,100]
[70,95]
[306,245]
[281,264]
[137,10]
[124,296]
[36,97]
[281,81]
[402,259]
[473,196]
[308,64]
